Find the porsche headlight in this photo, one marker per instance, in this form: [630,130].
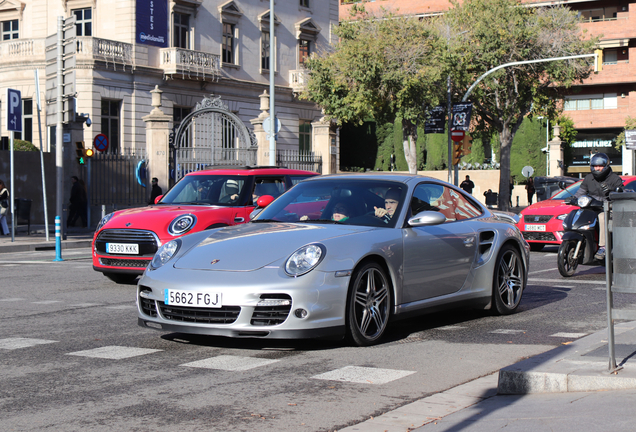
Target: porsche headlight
[165,253]
[182,224]
[584,201]
[304,259]
[104,221]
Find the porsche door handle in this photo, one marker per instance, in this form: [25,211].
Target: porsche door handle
[469,241]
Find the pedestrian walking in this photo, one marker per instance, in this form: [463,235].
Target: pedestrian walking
[468,185]
[530,189]
[77,207]
[155,192]
[4,208]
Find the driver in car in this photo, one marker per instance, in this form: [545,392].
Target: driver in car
[391,201]
[598,184]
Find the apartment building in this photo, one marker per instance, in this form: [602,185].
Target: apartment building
[190,49]
[599,107]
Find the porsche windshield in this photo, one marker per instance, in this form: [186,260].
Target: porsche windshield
[206,190]
[355,202]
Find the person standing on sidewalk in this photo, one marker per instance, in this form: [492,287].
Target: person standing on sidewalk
[155,192]
[530,189]
[468,185]
[4,208]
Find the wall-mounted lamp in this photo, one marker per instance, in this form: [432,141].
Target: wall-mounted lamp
[622,95]
[624,52]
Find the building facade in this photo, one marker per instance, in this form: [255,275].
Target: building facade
[190,49]
[600,106]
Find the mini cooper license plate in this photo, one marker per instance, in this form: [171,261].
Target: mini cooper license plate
[535,227]
[192,298]
[122,248]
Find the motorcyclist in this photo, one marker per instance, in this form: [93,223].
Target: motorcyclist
[598,184]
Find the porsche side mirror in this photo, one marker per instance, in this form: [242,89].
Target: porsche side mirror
[426,218]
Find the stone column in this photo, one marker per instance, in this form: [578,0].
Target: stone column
[557,163]
[158,127]
[262,158]
[325,142]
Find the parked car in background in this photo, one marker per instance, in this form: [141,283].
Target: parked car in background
[542,222]
[126,240]
[546,187]
[338,255]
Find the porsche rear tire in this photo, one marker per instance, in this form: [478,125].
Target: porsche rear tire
[508,281]
[369,304]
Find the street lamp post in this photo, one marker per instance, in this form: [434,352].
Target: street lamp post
[546,149]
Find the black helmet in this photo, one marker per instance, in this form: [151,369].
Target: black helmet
[600,159]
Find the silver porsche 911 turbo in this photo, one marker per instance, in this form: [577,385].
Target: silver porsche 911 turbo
[338,256]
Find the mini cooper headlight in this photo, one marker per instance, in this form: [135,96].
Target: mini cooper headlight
[584,201]
[104,221]
[165,253]
[304,259]
[182,224]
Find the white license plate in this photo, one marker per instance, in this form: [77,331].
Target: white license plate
[192,298]
[535,227]
[122,248]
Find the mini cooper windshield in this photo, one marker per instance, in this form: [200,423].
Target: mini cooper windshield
[206,190]
[355,202]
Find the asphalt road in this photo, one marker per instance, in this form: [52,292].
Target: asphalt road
[73,358]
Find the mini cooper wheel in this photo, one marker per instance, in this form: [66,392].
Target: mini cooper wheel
[566,262]
[508,280]
[369,306]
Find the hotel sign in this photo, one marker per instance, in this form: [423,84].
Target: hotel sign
[152,22]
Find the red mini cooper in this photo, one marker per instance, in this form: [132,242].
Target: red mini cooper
[126,240]
[542,223]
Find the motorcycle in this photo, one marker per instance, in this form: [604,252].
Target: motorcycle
[580,238]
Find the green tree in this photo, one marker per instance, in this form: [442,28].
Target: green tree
[526,148]
[496,32]
[567,135]
[21,145]
[381,68]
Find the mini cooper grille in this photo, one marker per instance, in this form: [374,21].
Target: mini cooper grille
[222,315]
[146,241]
[148,307]
[536,219]
[271,315]
[542,236]
[124,262]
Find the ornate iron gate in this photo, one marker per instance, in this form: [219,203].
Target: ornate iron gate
[211,135]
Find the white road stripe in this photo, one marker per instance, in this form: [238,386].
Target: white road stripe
[451,327]
[15,343]
[364,375]
[44,302]
[230,363]
[585,282]
[11,299]
[507,331]
[84,304]
[114,352]
[542,271]
[569,335]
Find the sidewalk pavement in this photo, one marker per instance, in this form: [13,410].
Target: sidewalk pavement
[35,240]
[568,388]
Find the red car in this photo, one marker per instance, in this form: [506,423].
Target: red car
[125,241]
[542,223]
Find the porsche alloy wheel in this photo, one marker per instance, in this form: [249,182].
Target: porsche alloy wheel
[508,281]
[369,305]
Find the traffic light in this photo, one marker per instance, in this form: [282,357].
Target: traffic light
[598,60]
[467,144]
[457,152]
[83,154]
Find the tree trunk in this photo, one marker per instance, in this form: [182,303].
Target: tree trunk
[409,139]
[505,142]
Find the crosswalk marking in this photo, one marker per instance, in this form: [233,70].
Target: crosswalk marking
[230,363]
[507,331]
[11,299]
[363,375]
[84,304]
[114,352]
[45,302]
[451,327]
[569,335]
[16,343]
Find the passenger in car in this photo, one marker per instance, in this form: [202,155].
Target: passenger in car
[341,213]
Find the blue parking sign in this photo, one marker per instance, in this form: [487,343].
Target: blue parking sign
[14,110]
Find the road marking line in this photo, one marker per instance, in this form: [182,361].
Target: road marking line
[507,331]
[45,302]
[15,343]
[114,352]
[363,375]
[230,363]
[11,299]
[561,281]
[85,304]
[451,327]
[569,335]
[564,286]
[542,271]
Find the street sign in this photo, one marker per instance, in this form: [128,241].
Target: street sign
[461,116]
[630,139]
[457,135]
[436,123]
[267,124]
[527,171]
[14,110]
[100,143]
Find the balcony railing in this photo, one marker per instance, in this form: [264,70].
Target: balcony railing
[298,79]
[21,51]
[188,63]
[110,51]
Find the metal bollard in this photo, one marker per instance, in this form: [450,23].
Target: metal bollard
[58,240]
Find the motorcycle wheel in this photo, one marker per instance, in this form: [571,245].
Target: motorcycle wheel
[566,262]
